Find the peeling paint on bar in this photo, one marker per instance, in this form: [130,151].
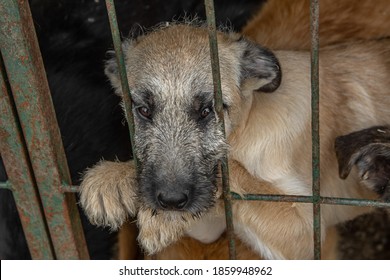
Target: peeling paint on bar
[32,98]
[21,181]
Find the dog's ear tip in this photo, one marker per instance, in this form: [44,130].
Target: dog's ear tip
[345,168]
[345,173]
[273,85]
[261,65]
[344,157]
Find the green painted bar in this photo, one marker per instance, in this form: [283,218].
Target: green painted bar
[5,185]
[32,98]
[309,199]
[21,181]
[274,198]
[71,189]
[355,202]
[210,14]
[116,38]
[314,16]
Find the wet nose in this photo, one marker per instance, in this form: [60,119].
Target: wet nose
[174,201]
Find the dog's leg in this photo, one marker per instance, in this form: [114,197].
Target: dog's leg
[108,193]
[276,230]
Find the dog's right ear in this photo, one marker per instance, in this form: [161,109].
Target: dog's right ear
[369,151]
[259,67]
[111,68]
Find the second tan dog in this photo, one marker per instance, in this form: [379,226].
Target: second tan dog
[285,25]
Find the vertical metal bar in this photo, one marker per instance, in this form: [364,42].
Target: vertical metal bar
[21,181]
[210,14]
[32,98]
[126,94]
[314,18]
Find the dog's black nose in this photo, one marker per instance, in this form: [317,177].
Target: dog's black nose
[174,201]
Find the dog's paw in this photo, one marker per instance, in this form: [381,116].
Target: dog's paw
[158,230]
[108,193]
[369,151]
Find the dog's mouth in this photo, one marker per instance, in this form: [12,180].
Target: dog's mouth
[183,215]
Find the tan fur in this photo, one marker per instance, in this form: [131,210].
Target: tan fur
[107,207]
[282,24]
[344,96]
[270,139]
[285,24]
[285,154]
[127,247]
[190,249]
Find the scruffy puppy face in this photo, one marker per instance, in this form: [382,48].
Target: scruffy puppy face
[178,135]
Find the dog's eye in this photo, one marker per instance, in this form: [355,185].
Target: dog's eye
[205,112]
[144,112]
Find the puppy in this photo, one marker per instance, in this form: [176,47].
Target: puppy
[286,25]
[179,144]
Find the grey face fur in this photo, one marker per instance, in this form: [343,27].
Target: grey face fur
[178,137]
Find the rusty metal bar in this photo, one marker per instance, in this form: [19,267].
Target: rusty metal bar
[126,93]
[21,181]
[210,15]
[70,188]
[32,98]
[354,202]
[314,23]
[309,199]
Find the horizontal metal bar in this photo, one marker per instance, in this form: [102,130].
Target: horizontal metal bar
[6,185]
[309,199]
[27,78]
[70,188]
[354,202]
[274,198]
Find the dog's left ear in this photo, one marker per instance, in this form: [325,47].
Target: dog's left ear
[259,67]
[369,151]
